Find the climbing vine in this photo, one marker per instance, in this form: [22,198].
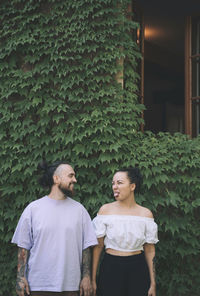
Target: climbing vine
[60,99]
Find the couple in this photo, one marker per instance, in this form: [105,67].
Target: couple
[55,238]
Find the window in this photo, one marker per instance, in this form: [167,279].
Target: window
[192,76]
[170,68]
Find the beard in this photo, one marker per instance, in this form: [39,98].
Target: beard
[66,191]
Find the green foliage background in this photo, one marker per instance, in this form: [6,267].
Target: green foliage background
[60,100]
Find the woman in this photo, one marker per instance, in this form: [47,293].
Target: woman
[128,233]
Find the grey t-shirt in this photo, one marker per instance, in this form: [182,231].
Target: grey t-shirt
[56,232]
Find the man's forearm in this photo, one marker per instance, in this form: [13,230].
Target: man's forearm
[22,261]
[86,263]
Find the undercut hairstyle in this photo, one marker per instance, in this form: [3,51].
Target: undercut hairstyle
[48,170]
[134,176]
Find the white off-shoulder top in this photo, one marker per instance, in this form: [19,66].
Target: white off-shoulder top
[125,232]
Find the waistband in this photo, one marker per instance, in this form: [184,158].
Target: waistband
[125,258]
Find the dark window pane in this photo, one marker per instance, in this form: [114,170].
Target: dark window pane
[196,77]
[196,36]
[196,117]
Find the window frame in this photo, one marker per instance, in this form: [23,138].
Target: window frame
[189,58]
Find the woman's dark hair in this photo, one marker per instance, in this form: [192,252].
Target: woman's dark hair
[46,180]
[134,176]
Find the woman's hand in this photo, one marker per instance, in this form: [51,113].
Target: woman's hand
[94,287]
[152,291]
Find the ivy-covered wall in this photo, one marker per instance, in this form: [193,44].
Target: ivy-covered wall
[60,100]
[170,167]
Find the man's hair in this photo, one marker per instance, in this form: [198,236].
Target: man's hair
[48,170]
[134,176]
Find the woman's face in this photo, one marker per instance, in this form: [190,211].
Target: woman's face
[122,188]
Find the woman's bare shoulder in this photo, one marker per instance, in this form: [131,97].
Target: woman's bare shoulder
[106,209]
[145,212]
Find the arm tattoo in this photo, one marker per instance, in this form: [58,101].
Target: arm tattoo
[22,260]
[86,263]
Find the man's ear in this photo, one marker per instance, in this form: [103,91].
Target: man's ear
[56,179]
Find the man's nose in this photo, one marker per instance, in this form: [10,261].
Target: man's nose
[74,180]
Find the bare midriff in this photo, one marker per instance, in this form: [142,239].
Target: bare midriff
[122,253]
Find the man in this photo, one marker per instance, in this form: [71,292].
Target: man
[54,236]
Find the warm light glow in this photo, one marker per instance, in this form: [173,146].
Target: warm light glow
[151,33]
[138,36]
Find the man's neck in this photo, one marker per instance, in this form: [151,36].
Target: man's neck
[56,194]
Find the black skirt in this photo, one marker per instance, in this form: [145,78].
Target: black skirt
[123,276]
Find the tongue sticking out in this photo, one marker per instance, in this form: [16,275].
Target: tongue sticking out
[116,194]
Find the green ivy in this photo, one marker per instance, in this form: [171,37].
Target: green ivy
[60,100]
[171,189]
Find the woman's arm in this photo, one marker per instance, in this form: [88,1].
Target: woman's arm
[149,251]
[97,250]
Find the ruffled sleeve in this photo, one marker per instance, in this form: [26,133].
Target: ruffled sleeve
[99,226]
[151,234]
